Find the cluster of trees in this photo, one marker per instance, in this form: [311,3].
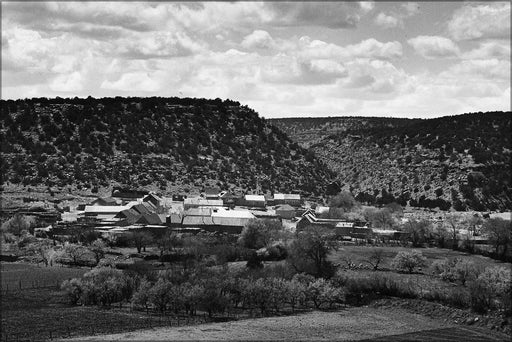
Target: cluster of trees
[213,290]
[92,142]
[489,288]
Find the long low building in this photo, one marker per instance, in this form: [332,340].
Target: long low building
[201,202]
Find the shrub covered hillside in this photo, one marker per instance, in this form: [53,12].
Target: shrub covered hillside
[151,141]
[460,161]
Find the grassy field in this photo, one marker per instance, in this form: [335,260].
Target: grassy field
[17,276]
[359,255]
[43,314]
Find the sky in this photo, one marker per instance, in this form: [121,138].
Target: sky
[283,59]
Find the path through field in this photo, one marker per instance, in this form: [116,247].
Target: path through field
[363,323]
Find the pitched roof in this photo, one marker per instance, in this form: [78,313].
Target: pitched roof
[106,201]
[150,196]
[141,209]
[286,196]
[129,214]
[104,209]
[150,219]
[259,198]
[202,202]
[286,207]
[222,212]
[198,212]
[175,218]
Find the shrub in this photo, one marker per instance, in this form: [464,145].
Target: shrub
[73,289]
[408,261]
[322,292]
[492,289]
[456,269]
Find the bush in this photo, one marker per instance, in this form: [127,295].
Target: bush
[322,292]
[408,261]
[101,286]
[492,289]
[73,289]
[456,269]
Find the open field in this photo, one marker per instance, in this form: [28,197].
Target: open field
[17,276]
[361,323]
[359,255]
[42,314]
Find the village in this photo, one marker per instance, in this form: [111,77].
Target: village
[221,212]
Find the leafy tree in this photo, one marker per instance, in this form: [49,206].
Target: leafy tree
[492,288]
[499,232]
[309,251]
[17,224]
[418,231]
[322,291]
[344,200]
[456,269]
[98,249]
[76,253]
[73,288]
[408,261]
[258,233]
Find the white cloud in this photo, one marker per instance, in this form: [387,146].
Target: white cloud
[259,39]
[387,21]
[433,47]
[489,20]
[489,50]
[132,82]
[367,6]
[411,8]
[493,69]
[67,83]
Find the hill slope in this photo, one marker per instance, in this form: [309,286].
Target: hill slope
[170,143]
[461,161]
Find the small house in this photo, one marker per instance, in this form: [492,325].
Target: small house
[257,201]
[153,199]
[105,201]
[201,202]
[285,211]
[290,199]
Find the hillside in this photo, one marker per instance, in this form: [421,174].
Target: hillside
[458,161]
[169,143]
[309,131]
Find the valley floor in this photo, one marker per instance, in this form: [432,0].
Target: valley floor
[351,324]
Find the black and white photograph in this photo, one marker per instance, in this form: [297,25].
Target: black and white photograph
[255,171]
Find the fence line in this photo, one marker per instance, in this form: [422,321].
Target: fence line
[67,331]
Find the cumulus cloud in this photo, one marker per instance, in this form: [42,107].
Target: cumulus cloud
[67,83]
[387,21]
[134,81]
[259,39]
[367,6]
[489,50]
[487,68]
[328,14]
[411,8]
[489,20]
[433,47]
[396,18]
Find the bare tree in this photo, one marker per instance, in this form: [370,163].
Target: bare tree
[141,240]
[452,224]
[375,258]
